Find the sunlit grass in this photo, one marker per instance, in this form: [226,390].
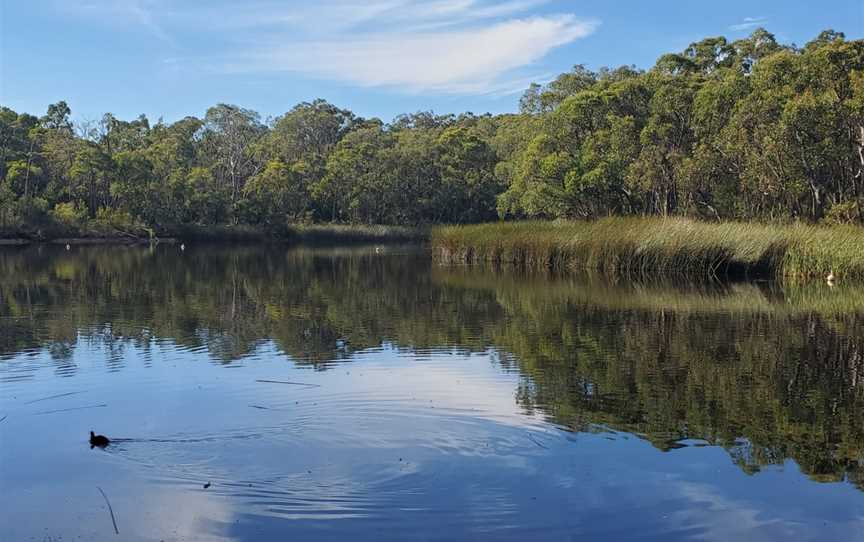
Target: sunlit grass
[652,246]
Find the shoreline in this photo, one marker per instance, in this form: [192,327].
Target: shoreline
[325,234]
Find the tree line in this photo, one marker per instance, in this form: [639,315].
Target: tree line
[748,129]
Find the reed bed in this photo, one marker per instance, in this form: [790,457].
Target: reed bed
[645,247]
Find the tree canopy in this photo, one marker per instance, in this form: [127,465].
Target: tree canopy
[748,129]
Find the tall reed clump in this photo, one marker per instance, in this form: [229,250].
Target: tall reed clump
[648,246]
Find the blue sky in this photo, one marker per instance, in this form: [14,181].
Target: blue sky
[172,58]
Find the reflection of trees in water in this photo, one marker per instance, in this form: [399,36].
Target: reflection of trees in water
[766,385]
[789,388]
[769,374]
[316,308]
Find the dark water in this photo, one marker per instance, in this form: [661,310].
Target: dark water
[424,403]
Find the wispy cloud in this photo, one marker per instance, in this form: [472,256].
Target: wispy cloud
[140,12]
[722,518]
[437,46]
[472,60]
[749,23]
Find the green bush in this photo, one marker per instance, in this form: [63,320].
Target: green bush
[116,218]
[843,213]
[69,213]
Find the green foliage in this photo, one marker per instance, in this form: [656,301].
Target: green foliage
[69,213]
[117,219]
[746,130]
[277,192]
[844,213]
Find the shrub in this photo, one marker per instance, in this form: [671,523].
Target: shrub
[843,213]
[70,213]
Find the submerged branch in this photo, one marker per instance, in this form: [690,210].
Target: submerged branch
[110,509]
[69,409]
[53,397]
[289,382]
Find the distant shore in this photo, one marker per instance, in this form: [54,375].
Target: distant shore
[299,233]
[646,247]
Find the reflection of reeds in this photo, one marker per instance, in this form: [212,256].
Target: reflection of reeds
[654,295]
[647,246]
[355,233]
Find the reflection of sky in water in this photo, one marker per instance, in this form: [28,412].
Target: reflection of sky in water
[390,446]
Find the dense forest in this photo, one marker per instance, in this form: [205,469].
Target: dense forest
[749,129]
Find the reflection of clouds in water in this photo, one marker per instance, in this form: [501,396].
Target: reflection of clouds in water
[456,382]
[165,514]
[374,437]
[143,512]
[721,518]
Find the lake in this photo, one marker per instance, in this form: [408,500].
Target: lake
[272,393]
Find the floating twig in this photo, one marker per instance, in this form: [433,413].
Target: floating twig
[53,397]
[289,382]
[535,441]
[4,417]
[68,409]
[111,510]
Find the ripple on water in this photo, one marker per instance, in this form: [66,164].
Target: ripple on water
[320,454]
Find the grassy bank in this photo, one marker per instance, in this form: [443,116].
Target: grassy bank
[651,246]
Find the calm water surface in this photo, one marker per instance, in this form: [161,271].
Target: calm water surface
[327,394]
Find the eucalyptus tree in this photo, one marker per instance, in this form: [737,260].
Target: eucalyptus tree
[354,186]
[229,138]
[296,150]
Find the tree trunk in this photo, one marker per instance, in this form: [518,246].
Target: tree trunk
[27,173]
[856,181]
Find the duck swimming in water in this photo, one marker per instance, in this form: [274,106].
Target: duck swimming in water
[98,440]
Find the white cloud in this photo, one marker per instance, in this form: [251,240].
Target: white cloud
[470,60]
[438,46]
[749,23]
[721,518]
